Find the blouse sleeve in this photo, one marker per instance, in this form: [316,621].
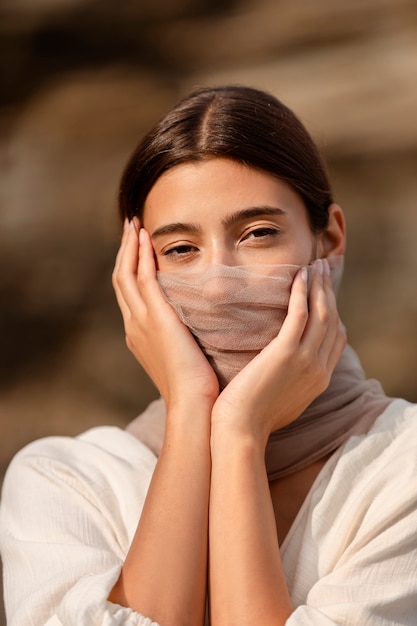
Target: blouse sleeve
[68,514]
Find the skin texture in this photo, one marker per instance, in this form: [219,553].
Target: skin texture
[210,516]
[215,215]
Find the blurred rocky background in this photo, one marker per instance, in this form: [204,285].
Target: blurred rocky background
[83,79]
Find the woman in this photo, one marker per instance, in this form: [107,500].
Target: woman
[272,483]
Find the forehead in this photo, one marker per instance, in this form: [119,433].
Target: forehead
[214,187]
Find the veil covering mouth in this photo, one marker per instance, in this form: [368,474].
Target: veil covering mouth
[234,312]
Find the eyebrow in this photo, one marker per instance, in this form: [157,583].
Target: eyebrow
[176,227]
[230,220]
[250,212]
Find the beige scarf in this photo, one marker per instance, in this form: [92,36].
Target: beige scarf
[234,312]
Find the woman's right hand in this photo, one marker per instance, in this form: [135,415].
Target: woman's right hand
[155,335]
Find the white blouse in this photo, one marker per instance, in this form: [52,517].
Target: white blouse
[70,508]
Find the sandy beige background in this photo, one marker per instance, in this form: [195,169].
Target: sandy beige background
[82,81]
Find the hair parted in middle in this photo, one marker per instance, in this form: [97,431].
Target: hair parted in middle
[241,123]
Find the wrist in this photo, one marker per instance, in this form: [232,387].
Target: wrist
[235,421]
[185,398]
[236,458]
[226,438]
[188,420]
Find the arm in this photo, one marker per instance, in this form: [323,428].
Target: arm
[62,537]
[247,583]
[164,575]
[70,506]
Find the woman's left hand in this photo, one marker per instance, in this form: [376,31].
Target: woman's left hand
[293,369]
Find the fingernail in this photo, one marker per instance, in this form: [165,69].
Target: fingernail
[126,224]
[141,235]
[319,265]
[304,274]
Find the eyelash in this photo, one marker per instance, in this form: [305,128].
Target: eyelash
[186,249]
[182,250]
[266,231]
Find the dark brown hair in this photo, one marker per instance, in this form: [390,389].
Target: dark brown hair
[240,123]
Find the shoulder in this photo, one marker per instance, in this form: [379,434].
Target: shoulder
[97,461]
[398,420]
[359,521]
[379,457]
[99,443]
[69,510]
[371,482]
[390,443]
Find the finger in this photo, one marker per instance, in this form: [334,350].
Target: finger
[334,339]
[126,274]
[147,267]
[150,289]
[333,324]
[327,282]
[124,236]
[120,300]
[296,319]
[318,318]
[337,348]
[130,249]
[147,273]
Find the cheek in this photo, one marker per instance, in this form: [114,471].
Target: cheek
[307,245]
[313,249]
[302,249]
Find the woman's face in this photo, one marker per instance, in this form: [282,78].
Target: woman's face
[222,212]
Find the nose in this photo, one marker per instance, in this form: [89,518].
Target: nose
[222,255]
[218,283]
[220,277]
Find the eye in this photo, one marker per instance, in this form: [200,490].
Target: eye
[261,231]
[180,250]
